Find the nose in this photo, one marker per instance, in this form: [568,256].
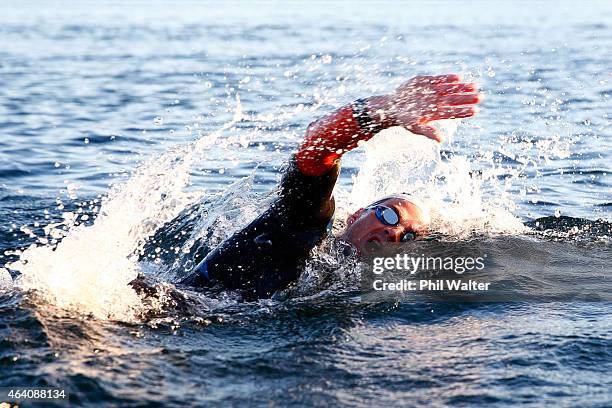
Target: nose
[395,235]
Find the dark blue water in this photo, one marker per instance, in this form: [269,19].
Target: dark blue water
[101,95]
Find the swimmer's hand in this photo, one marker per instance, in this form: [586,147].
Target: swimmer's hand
[413,105]
[424,99]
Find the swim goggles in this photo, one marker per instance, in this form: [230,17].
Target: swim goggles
[389,216]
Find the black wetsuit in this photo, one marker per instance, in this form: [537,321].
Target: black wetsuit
[268,254]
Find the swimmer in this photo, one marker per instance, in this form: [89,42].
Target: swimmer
[267,255]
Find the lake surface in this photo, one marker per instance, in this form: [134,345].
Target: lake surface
[134,134]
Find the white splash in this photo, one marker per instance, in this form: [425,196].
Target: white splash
[6,280]
[397,161]
[89,270]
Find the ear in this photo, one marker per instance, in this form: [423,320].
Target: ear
[354,216]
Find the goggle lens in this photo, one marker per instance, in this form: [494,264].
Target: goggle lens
[387,216]
[408,236]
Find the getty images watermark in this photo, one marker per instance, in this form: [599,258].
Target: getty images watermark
[482,269]
[397,273]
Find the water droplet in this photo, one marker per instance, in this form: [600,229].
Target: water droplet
[158,121]
[86,140]
[557,213]
[263,239]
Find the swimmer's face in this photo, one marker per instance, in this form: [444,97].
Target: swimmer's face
[366,230]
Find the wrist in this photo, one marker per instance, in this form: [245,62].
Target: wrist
[380,112]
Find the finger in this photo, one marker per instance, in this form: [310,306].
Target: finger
[452,112]
[427,131]
[448,89]
[461,99]
[438,79]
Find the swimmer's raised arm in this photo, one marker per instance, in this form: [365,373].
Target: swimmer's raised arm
[413,105]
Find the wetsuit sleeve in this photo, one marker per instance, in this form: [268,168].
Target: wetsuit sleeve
[268,254]
[330,137]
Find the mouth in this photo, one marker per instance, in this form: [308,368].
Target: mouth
[373,245]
